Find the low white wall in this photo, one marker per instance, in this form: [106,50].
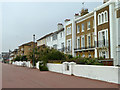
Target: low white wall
[20,63]
[37,65]
[55,67]
[104,73]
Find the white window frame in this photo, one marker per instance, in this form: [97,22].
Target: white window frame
[69,30]
[100,38]
[99,19]
[78,28]
[78,43]
[88,24]
[68,43]
[93,23]
[83,27]
[102,17]
[106,16]
[88,40]
[55,46]
[61,34]
[82,45]
[102,55]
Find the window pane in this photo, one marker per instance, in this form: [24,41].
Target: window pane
[82,27]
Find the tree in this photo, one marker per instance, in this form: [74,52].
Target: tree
[18,58]
[24,58]
[44,53]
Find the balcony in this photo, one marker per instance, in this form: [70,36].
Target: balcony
[85,48]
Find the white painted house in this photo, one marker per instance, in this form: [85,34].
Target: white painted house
[55,39]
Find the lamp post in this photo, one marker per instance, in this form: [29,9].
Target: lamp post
[33,50]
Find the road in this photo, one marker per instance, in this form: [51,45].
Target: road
[23,77]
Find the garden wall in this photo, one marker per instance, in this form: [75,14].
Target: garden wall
[104,73]
[20,63]
[55,67]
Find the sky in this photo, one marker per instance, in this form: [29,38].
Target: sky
[20,20]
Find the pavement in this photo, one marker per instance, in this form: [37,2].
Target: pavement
[23,77]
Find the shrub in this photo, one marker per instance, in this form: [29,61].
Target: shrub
[70,56]
[85,61]
[24,58]
[18,58]
[42,67]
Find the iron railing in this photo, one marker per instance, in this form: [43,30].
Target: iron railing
[84,48]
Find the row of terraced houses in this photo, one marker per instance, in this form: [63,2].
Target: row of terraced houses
[92,34]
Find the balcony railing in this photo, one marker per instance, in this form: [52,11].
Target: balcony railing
[89,47]
[103,43]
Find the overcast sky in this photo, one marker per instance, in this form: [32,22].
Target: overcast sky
[21,20]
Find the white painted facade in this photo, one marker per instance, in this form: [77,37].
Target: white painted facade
[54,40]
[58,42]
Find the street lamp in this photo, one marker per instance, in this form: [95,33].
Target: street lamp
[33,50]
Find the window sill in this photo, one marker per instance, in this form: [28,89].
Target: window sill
[88,29]
[103,23]
[82,31]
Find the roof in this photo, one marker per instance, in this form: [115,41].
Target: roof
[59,30]
[27,44]
[50,34]
[45,36]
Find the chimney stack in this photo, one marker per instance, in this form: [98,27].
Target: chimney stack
[60,26]
[76,15]
[66,20]
[104,1]
[84,11]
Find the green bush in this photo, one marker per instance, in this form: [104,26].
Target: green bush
[84,61]
[21,58]
[18,58]
[24,58]
[42,67]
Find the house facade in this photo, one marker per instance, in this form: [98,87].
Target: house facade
[14,54]
[26,48]
[54,40]
[95,34]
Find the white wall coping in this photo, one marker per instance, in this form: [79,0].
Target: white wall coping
[97,66]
